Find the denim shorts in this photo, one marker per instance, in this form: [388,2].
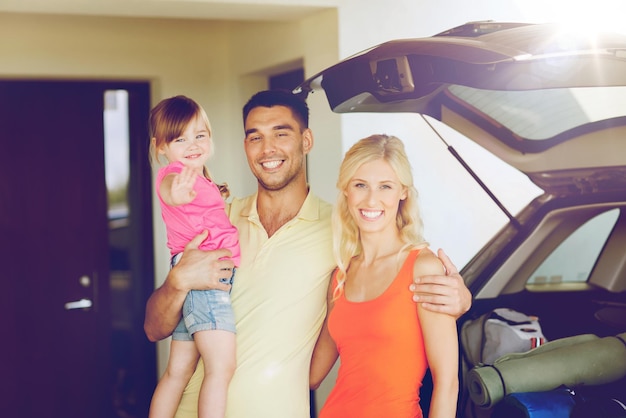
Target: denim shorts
[205,310]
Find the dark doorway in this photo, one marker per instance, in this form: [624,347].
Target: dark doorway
[68,353]
[287,80]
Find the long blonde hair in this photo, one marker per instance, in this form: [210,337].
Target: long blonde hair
[346,238]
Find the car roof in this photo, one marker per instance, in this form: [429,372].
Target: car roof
[542,98]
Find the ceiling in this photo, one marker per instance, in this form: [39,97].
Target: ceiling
[265,10]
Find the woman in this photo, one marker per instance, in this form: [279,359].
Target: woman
[384,340]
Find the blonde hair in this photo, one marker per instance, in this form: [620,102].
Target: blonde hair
[169,119]
[346,239]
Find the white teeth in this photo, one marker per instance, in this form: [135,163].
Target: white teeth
[272,164]
[371,214]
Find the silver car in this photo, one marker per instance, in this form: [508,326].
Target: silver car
[551,104]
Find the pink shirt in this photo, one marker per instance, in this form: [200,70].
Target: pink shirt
[206,212]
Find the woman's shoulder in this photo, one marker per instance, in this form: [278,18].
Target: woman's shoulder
[427,263]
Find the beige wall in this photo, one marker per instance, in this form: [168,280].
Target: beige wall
[218,63]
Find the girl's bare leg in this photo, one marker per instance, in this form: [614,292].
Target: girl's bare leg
[217,349]
[180,367]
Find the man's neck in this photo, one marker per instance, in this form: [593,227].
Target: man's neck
[277,207]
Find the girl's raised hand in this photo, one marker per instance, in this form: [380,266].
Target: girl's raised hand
[182,191]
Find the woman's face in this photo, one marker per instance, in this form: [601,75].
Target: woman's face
[373,196]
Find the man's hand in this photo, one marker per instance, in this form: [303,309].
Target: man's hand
[201,270]
[196,270]
[443,293]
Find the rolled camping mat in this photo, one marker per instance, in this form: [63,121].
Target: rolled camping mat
[591,362]
[551,345]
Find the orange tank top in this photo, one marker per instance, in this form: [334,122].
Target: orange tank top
[381,349]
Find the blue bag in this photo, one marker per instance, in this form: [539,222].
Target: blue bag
[557,403]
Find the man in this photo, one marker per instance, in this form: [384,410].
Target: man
[279,294]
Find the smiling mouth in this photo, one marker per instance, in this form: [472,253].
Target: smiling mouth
[371,214]
[270,165]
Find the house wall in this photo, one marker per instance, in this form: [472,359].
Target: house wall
[214,62]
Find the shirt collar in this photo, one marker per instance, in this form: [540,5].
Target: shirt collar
[309,211]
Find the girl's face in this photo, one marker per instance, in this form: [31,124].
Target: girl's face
[192,147]
[373,196]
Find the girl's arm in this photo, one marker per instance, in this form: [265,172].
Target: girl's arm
[441,343]
[325,352]
[177,188]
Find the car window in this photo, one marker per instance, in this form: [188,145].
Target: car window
[573,260]
[543,114]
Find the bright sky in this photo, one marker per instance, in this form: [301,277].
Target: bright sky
[582,15]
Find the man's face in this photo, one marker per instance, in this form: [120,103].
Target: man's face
[276,146]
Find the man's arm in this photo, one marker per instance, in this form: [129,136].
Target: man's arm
[196,270]
[443,293]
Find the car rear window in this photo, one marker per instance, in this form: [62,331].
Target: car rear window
[573,260]
[543,114]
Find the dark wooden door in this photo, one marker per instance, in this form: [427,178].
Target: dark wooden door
[55,254]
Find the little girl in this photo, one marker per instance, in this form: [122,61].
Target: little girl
[190,204]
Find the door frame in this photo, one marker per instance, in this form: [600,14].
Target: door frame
[142,361]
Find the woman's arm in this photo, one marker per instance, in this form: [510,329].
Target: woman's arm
[441,343]
[325,352]
[196,270]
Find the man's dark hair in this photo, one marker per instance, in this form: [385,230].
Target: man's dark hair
[269,98]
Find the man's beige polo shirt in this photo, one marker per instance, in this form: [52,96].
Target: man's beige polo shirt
[279,299]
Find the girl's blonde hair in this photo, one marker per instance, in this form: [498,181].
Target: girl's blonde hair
[169,119]
[346,239]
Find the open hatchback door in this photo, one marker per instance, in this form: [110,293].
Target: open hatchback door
[519,90]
